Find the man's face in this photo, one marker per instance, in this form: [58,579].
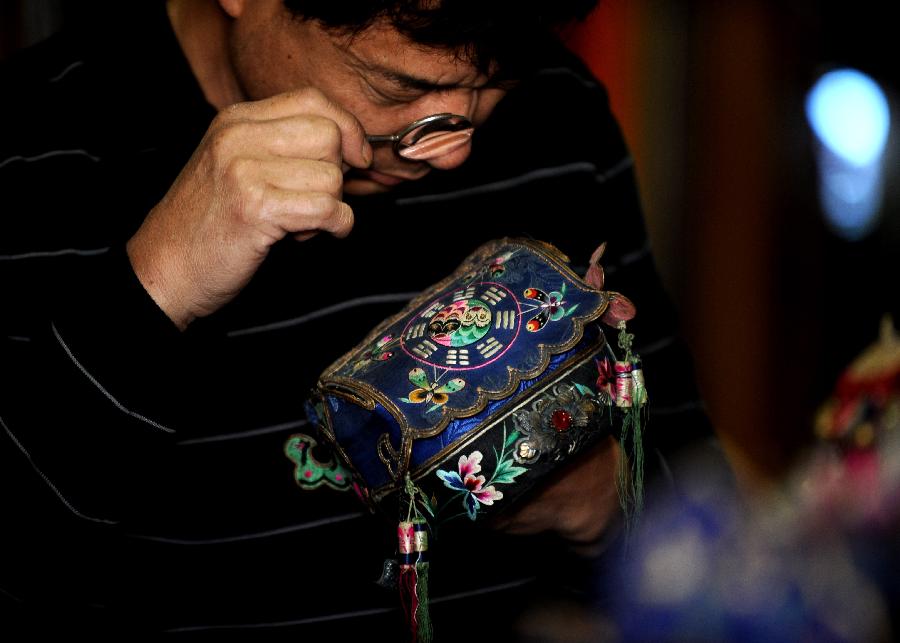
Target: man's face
[379,76]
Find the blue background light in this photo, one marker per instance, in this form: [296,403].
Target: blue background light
[849,113]
[850,116]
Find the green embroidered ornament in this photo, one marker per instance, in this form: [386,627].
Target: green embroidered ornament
[309,471]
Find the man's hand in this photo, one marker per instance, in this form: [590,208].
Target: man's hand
[263,170]
[579,505]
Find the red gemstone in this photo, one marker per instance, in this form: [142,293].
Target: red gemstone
[561,420]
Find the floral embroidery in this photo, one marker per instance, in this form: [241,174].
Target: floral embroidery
[606,380]
[475,489]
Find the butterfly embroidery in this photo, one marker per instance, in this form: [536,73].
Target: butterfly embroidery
[550,307]
[431,391]
[379,352]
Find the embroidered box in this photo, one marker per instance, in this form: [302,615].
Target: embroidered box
[480,387]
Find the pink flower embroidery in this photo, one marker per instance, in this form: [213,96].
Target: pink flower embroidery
[467,481]
[606,378]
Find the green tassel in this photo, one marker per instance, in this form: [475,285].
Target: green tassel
[630,480]
[423,614]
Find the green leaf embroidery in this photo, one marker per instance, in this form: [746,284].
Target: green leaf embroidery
[508,476]
[509,441]
[426,504]
[506,472]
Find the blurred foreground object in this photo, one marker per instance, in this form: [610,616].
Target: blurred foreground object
[816,561]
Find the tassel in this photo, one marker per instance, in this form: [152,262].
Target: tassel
[412,538]
[631,397]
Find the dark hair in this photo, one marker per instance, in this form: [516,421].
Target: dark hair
[505,34]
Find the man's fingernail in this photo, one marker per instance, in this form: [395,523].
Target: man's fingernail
[367,153]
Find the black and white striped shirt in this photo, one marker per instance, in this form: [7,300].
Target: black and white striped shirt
[143,486]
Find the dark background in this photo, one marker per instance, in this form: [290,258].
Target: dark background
[775,305]
[711,97]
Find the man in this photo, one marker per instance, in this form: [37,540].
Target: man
[195,225]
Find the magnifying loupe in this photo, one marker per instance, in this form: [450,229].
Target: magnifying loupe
[428,137]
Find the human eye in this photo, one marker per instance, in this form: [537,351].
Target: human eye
[392,94]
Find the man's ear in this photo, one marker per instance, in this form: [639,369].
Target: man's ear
[233,8]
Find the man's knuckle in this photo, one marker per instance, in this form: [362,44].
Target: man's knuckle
[310,97]
[222,140]
[329,131]
[239,172]
[332,178]
[325,206]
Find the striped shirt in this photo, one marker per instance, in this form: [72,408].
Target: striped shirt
[143,487]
